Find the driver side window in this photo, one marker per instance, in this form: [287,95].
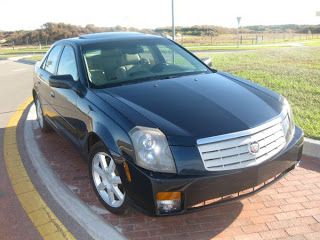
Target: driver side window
[68,64]
[52,60]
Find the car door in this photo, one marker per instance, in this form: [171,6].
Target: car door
[48,68]
[65,100]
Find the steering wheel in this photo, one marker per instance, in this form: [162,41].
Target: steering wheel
[159,67]
[140,69]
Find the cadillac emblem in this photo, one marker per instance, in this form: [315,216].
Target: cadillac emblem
[254,148]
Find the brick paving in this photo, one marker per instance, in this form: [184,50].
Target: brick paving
[289,209]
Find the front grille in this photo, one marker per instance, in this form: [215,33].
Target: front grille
[232,151]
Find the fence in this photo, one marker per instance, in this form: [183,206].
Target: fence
[244,39]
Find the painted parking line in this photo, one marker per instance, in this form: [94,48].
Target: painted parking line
[44,220]
[20,69]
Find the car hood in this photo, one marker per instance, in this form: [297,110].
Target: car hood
[192,107]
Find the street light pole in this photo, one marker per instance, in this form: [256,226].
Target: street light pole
[173,26]
[238,20]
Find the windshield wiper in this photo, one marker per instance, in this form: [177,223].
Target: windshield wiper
[137,80]
[175,75]
[158,77]
[166,76]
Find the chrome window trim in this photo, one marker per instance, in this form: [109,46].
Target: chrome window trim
[219,138]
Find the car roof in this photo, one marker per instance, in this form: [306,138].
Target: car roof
[108,37]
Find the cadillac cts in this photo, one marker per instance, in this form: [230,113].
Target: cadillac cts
[159,127]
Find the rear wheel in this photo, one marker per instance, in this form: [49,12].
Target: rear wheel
[106,180]
[44,126]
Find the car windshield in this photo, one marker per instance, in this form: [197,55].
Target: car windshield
[130,61]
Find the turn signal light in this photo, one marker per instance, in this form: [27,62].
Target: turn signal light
[127,171]
[168,202]
[168,196]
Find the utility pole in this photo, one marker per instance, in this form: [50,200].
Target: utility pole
[173,26]
[318,15]
[238,21]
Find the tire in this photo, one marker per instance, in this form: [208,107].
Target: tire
[43,124]
[106,181]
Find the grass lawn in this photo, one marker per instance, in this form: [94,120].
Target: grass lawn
[6,53]
[23,50]
[231,47]
[315,42]
[293,72]
[35,58]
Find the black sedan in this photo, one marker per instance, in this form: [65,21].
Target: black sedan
[159,127]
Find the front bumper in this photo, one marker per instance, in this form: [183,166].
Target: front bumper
[199,190]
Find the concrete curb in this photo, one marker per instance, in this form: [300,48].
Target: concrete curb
[311,147]
[23,59]
[26,61]
[92,223]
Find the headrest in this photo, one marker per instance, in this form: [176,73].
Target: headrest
[131,59]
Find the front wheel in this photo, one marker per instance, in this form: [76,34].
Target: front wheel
[106,180]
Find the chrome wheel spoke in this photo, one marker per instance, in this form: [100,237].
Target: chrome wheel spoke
[98,170]
[111,167]
[115,180]
[103,162]
[111,196]
[101,186]
[117,192]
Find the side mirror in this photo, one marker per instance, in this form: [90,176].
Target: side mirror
[61,81]
[207,61]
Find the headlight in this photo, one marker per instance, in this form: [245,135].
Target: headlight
[288,122]
[152,150]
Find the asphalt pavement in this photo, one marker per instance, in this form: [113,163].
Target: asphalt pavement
[15,79]
[16,86]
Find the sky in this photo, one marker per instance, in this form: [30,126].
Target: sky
[31,14]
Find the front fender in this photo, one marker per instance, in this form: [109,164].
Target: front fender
[112,128]
[114,137]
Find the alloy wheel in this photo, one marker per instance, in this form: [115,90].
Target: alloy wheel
[107,180]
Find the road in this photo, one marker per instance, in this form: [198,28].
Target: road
[16,85]
[14,80]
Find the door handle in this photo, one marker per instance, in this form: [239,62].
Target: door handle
[52,94]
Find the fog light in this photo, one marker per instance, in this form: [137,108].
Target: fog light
[168,202]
